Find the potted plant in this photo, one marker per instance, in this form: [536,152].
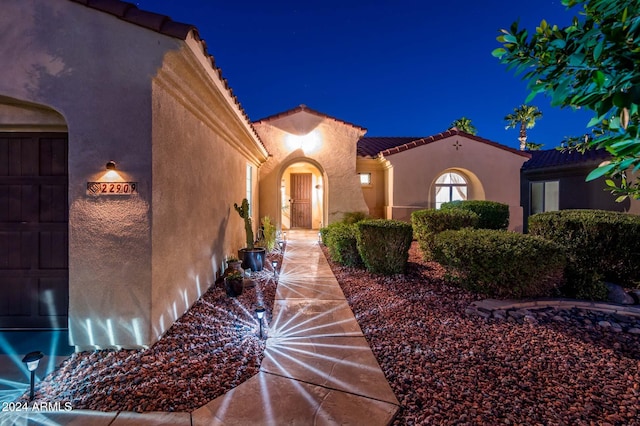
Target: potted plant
[233,284]
[252,257]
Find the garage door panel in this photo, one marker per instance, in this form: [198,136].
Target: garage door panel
[17,296]
[53,297]
[34,289]
[52,252]
[53,204]
[53,157]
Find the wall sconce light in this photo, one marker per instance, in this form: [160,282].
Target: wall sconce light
[111,165]
[260,313]
[32,360]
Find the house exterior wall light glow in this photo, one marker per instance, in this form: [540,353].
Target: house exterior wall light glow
[308,143]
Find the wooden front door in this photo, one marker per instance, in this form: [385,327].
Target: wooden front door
[34,264]
[301,200]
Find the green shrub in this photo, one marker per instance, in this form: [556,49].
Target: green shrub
[500,264]
[428,223]
[354,217]
[598,243]
[324,235]
[491,215]
[384,245]
[341,242]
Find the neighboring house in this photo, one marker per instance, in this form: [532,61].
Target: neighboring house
[555,180]
[401,175]
[85,82]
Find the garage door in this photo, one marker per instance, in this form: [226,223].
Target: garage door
[34,264]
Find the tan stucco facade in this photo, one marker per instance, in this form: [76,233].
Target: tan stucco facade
[404,181]
[154,105]
[323,143]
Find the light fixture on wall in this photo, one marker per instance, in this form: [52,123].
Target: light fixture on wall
[111,165]
[32,360]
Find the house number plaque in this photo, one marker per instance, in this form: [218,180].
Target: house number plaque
[112,188]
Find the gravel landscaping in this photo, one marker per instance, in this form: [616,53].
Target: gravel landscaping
[211,349]
[449,368]
[564,367]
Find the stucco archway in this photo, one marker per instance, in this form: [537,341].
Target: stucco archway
[306,173]
[474,188]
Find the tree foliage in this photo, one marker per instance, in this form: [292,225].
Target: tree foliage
[464,125]
[593,63]
[524,117]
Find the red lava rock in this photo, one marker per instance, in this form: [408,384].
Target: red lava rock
[202,356]
[468,370]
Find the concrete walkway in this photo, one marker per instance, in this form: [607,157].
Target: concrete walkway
[318,368]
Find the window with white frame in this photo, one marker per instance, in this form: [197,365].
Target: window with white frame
[450,186]
[249,189]
[365,179]
[545,196]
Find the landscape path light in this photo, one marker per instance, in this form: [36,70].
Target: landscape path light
[274,263]
[260,314]
[31,360]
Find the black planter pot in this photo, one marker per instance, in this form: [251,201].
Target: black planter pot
[253,258]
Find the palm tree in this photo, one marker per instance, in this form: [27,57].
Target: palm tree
[464,125]
[525,116]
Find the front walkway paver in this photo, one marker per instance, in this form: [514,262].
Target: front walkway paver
[318,368]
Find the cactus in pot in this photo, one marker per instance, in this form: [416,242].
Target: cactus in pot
[243,211]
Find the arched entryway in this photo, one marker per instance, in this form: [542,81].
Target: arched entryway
[302,196]
[34,271]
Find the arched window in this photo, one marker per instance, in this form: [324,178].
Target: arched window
[450,186]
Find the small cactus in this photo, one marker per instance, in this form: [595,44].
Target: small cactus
[243,211]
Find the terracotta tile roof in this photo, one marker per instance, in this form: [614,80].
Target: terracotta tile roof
[554,158]
[381,146]
[372,146]
[310,111]
[130,13]
[162,24]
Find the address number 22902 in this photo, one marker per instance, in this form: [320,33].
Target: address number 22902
[112,188]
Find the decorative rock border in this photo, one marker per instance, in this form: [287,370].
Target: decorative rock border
[592,315]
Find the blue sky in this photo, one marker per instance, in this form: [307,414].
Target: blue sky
[397,68]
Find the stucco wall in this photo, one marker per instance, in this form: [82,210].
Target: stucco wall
[333,153]
[198,175]
[96,71]
[492,173]
[375,193]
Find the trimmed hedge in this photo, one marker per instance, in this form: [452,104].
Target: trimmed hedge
[342,244]
[600,245]
[428,223]
[491,214]
[384,245]
[354,217]
[500,264]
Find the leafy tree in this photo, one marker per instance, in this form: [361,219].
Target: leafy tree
[524,117]
[593,63]
[464,125]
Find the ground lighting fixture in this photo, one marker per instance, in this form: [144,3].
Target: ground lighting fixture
[275,267]
[260,313]
[31,360]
